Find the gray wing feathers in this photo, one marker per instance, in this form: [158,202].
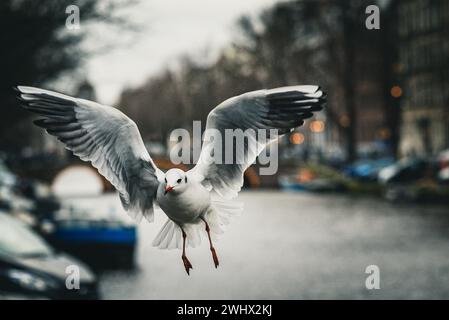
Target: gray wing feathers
[104,136]
[281,109]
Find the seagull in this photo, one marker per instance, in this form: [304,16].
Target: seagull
[202,198]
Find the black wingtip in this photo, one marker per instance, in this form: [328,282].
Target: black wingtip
[40,123]
[17,88]
[18,94]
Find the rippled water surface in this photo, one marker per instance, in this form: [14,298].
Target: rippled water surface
[298,246]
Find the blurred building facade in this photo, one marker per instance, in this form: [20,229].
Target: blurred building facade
[423,28]
[372,59]
[370,75]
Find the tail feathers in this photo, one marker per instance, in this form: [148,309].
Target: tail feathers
[169,237]
[217,217]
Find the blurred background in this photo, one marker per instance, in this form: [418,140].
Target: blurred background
[364,182]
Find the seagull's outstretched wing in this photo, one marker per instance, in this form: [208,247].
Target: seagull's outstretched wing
[104,136]
[281,108]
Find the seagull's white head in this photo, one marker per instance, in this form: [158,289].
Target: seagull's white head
[175,180]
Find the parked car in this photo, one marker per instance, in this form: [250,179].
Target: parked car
[368,169]
[30,268]
[443,174]
[411,179]
[45,203]
[7,178]
[407,171]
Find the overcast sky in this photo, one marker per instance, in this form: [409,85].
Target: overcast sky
[168,29]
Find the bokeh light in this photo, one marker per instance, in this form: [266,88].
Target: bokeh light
[396,91]
[317,126]
[296,138]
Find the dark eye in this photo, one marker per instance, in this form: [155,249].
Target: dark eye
[179,180]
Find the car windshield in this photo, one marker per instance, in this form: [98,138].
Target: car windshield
[18,240]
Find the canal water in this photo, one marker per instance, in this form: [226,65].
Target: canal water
[296,246]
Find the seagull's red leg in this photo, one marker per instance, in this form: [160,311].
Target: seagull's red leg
[212,249]
[186,261]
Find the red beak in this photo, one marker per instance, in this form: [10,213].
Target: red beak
[168,189]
